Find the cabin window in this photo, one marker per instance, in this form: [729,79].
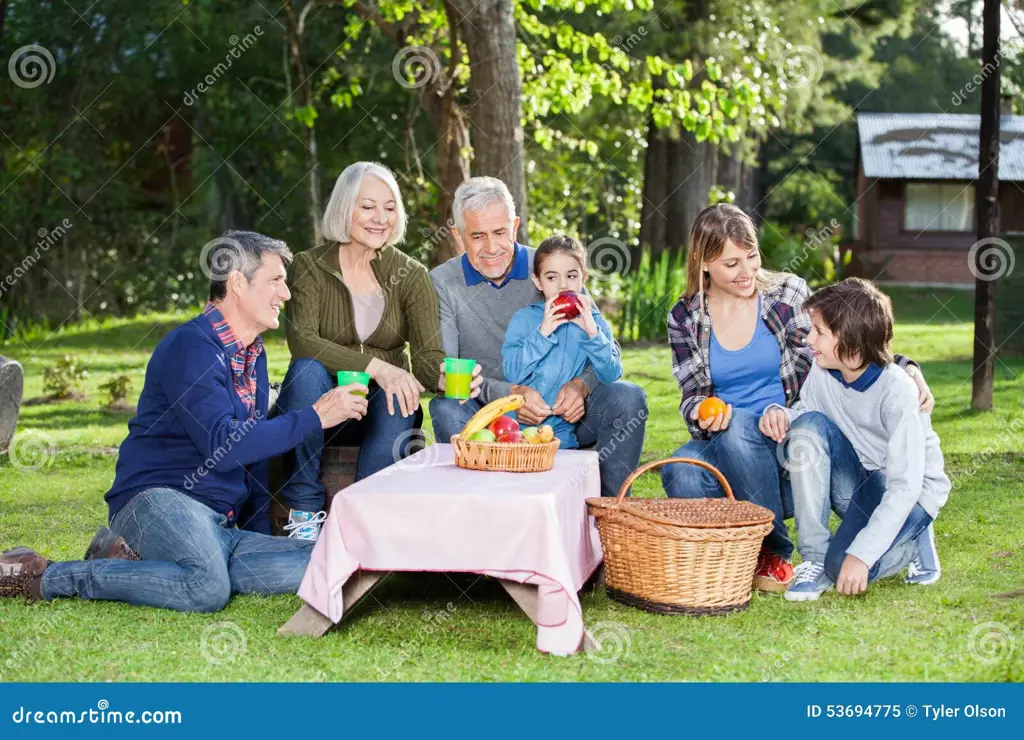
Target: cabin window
[939,207]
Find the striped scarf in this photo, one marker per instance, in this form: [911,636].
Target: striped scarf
[243,359]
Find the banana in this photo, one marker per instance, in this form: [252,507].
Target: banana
[489,413]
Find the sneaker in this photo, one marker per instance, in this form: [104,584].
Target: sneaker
[108,545]
[774,573]
[925,570]
[304,525]
[21,573]
[809,583]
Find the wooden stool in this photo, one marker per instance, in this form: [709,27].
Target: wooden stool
[337,471]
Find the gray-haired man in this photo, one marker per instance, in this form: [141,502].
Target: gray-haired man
[479,292]
[194,461]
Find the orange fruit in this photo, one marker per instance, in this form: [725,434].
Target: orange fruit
[710,408]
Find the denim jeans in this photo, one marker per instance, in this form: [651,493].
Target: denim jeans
[748,460]
[191,561]
[614,419]
[828,476]
[383,438]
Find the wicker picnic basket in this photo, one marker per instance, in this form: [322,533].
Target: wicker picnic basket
[510,458]
[680,556]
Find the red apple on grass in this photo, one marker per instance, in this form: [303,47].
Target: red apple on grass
[503,425]
[569,303]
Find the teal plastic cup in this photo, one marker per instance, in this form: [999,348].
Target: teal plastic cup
[458,376]
[346,377]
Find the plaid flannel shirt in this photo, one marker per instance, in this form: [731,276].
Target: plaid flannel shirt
[689,335]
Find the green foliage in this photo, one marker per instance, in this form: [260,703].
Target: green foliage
[815,255]
[648,294]
[117,389]
[64,380]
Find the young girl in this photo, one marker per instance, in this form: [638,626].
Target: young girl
[545,350]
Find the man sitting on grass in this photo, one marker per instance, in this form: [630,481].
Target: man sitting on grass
[189,500]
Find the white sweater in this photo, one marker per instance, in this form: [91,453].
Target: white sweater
[890,434]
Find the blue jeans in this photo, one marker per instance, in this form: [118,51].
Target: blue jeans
[383,438]
[827,475]
[614,419]
[191,561]
[748,460]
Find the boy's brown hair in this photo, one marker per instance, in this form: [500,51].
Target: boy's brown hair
[561,243]
[860,315]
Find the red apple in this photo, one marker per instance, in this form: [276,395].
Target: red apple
[515,437]
[503,425]
[568,302]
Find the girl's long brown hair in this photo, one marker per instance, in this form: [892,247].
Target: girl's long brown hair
[712,228]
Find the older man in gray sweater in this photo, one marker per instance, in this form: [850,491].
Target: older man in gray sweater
[479,292]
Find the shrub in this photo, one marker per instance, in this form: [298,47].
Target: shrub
[117,390]
[648,294]
[64,380]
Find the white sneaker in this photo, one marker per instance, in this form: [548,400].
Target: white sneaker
[925,570]
[809,582]
[304,525]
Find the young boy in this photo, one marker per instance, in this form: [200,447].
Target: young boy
[858,445]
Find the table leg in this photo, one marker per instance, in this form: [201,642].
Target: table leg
[308,622]
[524,594]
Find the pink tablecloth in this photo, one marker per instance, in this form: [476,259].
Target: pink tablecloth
[425,514]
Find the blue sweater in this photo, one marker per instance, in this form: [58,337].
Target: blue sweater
[191,431]
[547,363]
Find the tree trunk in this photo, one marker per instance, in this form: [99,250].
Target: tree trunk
[496,112]
[453,147]
[303,93]
[987,208]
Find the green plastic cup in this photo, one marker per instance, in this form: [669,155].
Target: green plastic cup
[458,375]
[345,377]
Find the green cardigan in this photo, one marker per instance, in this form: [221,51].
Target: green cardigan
[319,316]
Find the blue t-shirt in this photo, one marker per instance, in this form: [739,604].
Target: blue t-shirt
[749,378]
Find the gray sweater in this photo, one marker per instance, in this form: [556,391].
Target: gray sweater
[474,319]
[890,434]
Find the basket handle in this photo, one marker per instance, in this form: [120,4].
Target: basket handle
[667,461]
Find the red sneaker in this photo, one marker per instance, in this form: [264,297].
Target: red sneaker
[774,573]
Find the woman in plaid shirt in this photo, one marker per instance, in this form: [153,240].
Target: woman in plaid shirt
[738,333]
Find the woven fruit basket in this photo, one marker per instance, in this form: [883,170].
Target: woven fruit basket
[680,556]
[510,458]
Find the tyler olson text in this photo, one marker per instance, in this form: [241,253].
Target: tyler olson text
[971,711]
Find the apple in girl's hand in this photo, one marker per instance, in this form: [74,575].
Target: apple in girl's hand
[567,301]
[503,424]
[484,435]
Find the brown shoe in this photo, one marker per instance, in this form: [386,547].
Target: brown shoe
[21,573]
[106,544]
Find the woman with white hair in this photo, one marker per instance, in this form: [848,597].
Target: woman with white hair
[358,303]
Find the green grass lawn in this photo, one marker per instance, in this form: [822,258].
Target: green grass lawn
[421,627]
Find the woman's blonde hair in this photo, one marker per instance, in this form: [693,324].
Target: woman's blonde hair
[712,228]
[337,220]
